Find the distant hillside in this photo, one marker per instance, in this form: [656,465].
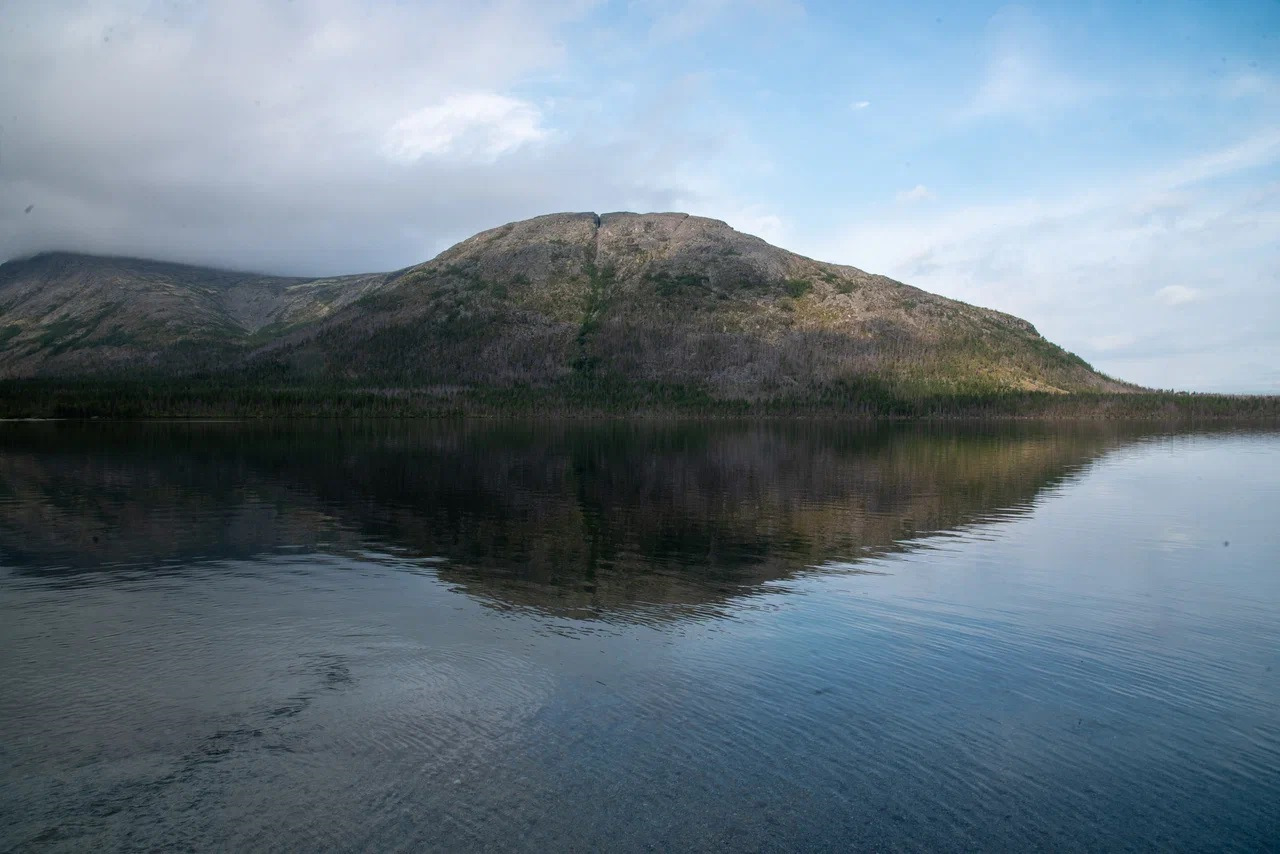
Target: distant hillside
[63,314]
[566,300]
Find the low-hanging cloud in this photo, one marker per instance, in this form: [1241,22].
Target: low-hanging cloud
[301,138]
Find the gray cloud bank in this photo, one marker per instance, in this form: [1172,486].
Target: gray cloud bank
[296,138]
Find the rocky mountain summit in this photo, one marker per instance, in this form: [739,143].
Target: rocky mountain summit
[598,301]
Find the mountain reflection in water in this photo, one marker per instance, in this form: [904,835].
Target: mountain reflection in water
[593,520]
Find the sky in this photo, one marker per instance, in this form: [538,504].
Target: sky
[1109,171]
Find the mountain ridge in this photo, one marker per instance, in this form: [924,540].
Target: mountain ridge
[595,299]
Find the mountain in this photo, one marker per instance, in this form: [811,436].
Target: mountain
[600,302]
[63,314]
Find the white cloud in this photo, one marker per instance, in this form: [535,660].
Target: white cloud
[1084,266]
[1259,149]
[860,105]
[1021,77]
[918,193]
[311,138]
[1178,295]
[477,125]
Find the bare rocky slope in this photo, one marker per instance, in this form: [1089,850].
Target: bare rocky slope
[598,301]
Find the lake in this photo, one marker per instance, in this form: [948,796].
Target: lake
[668,636]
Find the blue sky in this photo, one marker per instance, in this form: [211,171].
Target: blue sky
[1110,171]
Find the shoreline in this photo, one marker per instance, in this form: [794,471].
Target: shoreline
[870,401]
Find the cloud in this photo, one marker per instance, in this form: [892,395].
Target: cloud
[1259,149]
[860,105]
[1173,295]
[918,193]
[315,138]
[1084,266]
[477,125]
[1020,77]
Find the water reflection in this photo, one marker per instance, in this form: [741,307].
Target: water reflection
[429,636]
[589,520]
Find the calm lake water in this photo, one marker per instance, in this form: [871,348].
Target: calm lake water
[667,636]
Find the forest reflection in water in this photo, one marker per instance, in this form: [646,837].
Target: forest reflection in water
[604,520]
